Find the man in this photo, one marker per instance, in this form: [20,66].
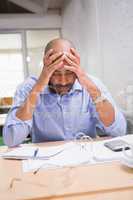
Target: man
[62,102]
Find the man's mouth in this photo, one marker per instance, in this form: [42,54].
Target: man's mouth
[60,88]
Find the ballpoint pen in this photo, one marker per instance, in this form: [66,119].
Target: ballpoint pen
[35,152]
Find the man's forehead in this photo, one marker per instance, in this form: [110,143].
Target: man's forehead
[61,47]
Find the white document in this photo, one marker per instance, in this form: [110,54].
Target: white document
[102,153]
[73,155]
[28,152]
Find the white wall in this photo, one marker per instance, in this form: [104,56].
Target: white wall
[79,24]
[29,21]
[103,32]
[36,41]
[116,34]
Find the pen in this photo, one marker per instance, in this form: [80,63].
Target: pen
[35,152]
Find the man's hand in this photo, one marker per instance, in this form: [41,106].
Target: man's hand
[105,109]
[73,60]
[52,61]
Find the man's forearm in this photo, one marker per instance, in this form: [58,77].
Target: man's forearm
[25,112]
[105,109]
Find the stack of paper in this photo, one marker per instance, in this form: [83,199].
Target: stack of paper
[68,154]
[29,152]
[71,156]
[75,155]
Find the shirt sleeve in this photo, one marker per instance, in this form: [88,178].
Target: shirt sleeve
[119,126]
[15,130]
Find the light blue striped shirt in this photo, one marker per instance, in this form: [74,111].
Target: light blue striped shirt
[59,117]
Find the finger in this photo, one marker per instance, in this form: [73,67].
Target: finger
[70,62]
[53,59]
[49,53]
[73,58]
[46,57]
[55,63]
[71,68]
[56,66]
[55,56]
[75,53]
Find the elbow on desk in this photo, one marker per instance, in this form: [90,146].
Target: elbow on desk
[120,129]
[9,137]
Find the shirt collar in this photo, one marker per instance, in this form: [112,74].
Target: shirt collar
[76,86]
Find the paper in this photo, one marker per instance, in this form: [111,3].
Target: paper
[28,152]
[74,155]
[102,153]
[71,156]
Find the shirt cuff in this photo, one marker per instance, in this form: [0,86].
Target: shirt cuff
[117,128]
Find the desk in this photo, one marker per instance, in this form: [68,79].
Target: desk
[108,181]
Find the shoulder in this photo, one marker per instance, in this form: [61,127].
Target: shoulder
[97,82]
[94,78]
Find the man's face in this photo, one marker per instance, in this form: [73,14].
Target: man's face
[62,80]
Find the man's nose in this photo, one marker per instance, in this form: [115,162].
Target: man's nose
[63,80]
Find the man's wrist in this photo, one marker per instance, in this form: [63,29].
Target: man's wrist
[99,99]
[93,90]
[39,86]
